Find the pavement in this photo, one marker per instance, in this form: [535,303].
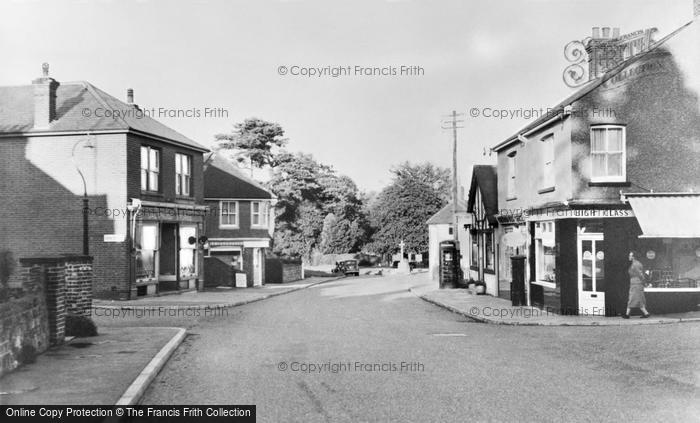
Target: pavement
[213,298]
[92,371]
[118,365]
[494,310]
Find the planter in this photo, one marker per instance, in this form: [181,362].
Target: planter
[480,289]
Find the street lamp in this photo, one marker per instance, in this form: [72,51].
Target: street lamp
[88,144]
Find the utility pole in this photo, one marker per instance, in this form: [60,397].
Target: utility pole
[454,124]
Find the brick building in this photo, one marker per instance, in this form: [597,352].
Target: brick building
[615,168]
[239,225]
[60,142]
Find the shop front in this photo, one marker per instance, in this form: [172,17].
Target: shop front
[578,259]
[166,248]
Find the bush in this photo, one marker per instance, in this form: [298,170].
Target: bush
[27,354]
[80,326]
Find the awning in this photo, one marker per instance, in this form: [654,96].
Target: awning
[667,215]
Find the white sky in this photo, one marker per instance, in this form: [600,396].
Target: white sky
[197,54]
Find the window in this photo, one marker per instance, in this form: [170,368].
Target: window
[475,250]
[545,256]
[188,252]
[511,176]
[183,174]
[489,255]
[228,214]
[150,168]
[608,154]
[258,213]
[450,230]
[146,246]
[548,161]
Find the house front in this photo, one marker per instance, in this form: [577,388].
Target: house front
[483,230]
[240,225]
[83,172]
[615,169]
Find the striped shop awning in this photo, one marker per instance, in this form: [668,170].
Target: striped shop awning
[667,215]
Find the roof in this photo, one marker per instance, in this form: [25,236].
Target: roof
[222,179]
[445,215]
[587,88]
[73,101]
[485,178]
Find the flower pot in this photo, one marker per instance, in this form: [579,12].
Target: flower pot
[480,289]
[471,286]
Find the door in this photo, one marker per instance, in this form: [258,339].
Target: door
[591,275]
[168,265]
[257,267]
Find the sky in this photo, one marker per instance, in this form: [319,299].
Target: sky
[253,59]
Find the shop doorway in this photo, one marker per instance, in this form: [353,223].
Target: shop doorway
[257,266]
[168,257]
[591,274]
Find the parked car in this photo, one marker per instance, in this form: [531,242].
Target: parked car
[350,267]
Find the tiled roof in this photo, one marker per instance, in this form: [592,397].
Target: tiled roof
[76,106]
[222,179]
[485,178]
[445,215]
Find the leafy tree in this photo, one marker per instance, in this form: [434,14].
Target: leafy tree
[400,210]
[255,140]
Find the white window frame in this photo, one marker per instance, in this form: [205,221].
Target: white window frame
[545,231]
[223,225]
[261,214]
[183,175]
[548,179]
[512,176]
[608,178]
[152,171]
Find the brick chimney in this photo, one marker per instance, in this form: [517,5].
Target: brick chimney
[130,96]
[44,99]
[604,51]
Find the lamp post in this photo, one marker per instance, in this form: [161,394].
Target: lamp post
[88,144]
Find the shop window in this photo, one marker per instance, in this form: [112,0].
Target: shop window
[146,246]
[548,161]
[150,168]
[608,154]
[188,252]
[183,174]
[489,251]
[228,214]
[545,255]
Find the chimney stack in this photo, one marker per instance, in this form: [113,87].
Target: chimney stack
[595,33]
[606,32]
[44,99]
[616,33]
[130,96]
[604,51]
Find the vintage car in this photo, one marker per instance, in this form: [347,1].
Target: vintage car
[347,267]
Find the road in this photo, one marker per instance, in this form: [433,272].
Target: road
[455,369]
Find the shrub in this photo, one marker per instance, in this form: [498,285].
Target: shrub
[80,326]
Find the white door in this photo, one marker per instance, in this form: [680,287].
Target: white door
[257,267]
[591,274]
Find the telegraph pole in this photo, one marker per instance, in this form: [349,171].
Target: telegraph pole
[454,124]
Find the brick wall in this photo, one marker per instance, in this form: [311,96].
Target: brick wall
[282,271]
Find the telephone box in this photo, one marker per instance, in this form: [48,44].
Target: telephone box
[450,271]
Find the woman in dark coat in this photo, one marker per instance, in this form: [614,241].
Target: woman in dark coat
[636,297]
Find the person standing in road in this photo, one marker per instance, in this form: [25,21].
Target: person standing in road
[636,297]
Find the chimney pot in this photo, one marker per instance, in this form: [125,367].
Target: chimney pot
[606,32]
[616,33]
[596,32]
[130,96]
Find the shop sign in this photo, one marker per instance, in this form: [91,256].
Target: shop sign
[553,213]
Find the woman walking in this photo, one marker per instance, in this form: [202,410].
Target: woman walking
[636,295]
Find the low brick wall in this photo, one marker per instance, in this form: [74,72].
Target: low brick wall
[282,271]
[35,313]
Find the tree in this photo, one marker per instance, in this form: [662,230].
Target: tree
[255,140]
[317,209]
[400,210]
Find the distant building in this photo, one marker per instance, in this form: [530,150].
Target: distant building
[143,181]
[441,227]
[240,225]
